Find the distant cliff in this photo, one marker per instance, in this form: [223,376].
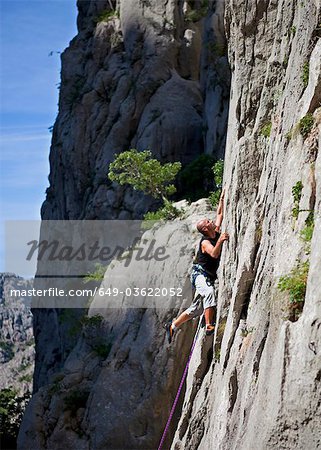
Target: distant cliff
[16,336]
[155,74]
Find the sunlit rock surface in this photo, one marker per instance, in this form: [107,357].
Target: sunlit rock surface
[147,77]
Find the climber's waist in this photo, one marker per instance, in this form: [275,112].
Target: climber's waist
[197,270]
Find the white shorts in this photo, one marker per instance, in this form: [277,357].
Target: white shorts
[204,297]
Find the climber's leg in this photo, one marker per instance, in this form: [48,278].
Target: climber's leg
[206,290]
[195,310]
[182,318]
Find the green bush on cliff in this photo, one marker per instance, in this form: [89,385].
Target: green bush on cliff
[266,129]
[297,191]
[106,15]
[307,232]
[97,275]
[102,349]
[167,212]
[149,175]
[194,15]
[26,378]
[144,173]
[293,29]
[218,170]
[305,74]
[12,407]
[93,321]
[295,282]
[306,124]
[296,194]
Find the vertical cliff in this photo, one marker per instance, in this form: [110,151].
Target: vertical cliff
[263,390]
[154,73]
[144,74]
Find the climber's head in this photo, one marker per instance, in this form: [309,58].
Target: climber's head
[207,227]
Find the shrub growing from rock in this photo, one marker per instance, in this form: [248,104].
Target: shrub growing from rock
[306,124]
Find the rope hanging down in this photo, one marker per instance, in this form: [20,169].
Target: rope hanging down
[180,387]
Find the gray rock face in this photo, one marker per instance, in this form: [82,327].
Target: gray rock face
[256,385]
[138,74]
[263,391]
[16,335]
[134,76]
[122,363]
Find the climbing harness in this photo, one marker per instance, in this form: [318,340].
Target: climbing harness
[198,270]
[180,386]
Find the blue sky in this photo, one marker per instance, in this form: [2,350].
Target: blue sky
[29,31]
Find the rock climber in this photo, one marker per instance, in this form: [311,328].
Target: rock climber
[203,273]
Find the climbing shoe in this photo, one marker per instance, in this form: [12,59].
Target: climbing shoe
[169,332]
[209,330]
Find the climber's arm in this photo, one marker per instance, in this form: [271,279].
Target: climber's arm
[214,251]
[220,210]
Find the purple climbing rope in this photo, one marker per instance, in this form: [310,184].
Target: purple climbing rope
[179,388]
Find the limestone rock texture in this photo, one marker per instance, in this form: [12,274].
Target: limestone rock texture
[154,73]
[116,386]
[144,74]
[263,389]
[135,76]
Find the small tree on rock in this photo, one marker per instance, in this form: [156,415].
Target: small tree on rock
[218,170]
[12,407]
[146,174]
